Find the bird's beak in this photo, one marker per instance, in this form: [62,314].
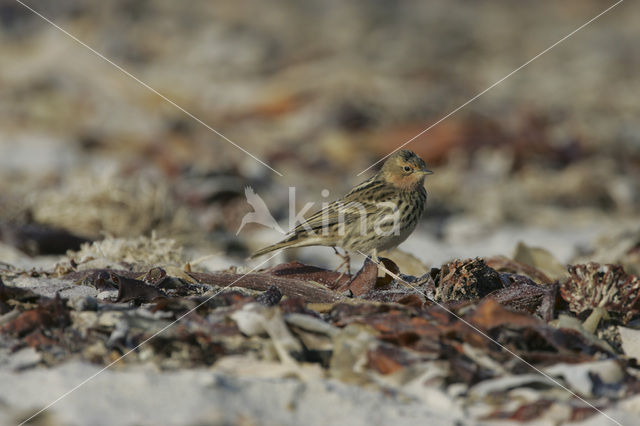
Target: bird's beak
[425,172]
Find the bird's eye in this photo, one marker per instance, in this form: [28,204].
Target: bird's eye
[407,168]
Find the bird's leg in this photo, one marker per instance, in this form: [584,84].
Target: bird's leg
[346,260]
[374,258]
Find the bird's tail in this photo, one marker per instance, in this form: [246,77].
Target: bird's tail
[292,241]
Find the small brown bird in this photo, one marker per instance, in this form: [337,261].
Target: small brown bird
[378,214]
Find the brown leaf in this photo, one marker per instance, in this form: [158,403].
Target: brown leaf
[413,300]
[49,313]
[130,289]
[297,305]
[387,359]
[364,281]
[490,314]
[524,413]
[37,340]
[528,298]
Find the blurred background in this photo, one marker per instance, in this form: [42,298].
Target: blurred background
[319,91]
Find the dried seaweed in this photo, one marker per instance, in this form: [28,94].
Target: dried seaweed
[467,280]
[296,314]
[606,287]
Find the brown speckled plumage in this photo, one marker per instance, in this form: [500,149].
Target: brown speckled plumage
[368,211]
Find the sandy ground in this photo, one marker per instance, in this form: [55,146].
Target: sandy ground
[204,397]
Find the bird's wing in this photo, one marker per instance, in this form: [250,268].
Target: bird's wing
[335,213]
[364,187]
[358,203]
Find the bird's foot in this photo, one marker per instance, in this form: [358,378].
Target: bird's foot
[346,261]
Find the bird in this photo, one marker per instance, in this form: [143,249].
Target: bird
[260,214]
[377,214]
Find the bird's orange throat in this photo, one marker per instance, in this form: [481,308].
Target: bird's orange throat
[405,183]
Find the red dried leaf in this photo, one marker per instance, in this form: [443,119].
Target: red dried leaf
[364,281]
[490,314]
[50,313]
[37,340]
[387,359]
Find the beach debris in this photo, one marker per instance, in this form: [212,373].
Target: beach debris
[485,322]
[466,280]
[603,290]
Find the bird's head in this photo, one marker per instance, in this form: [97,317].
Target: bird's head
[405,170]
